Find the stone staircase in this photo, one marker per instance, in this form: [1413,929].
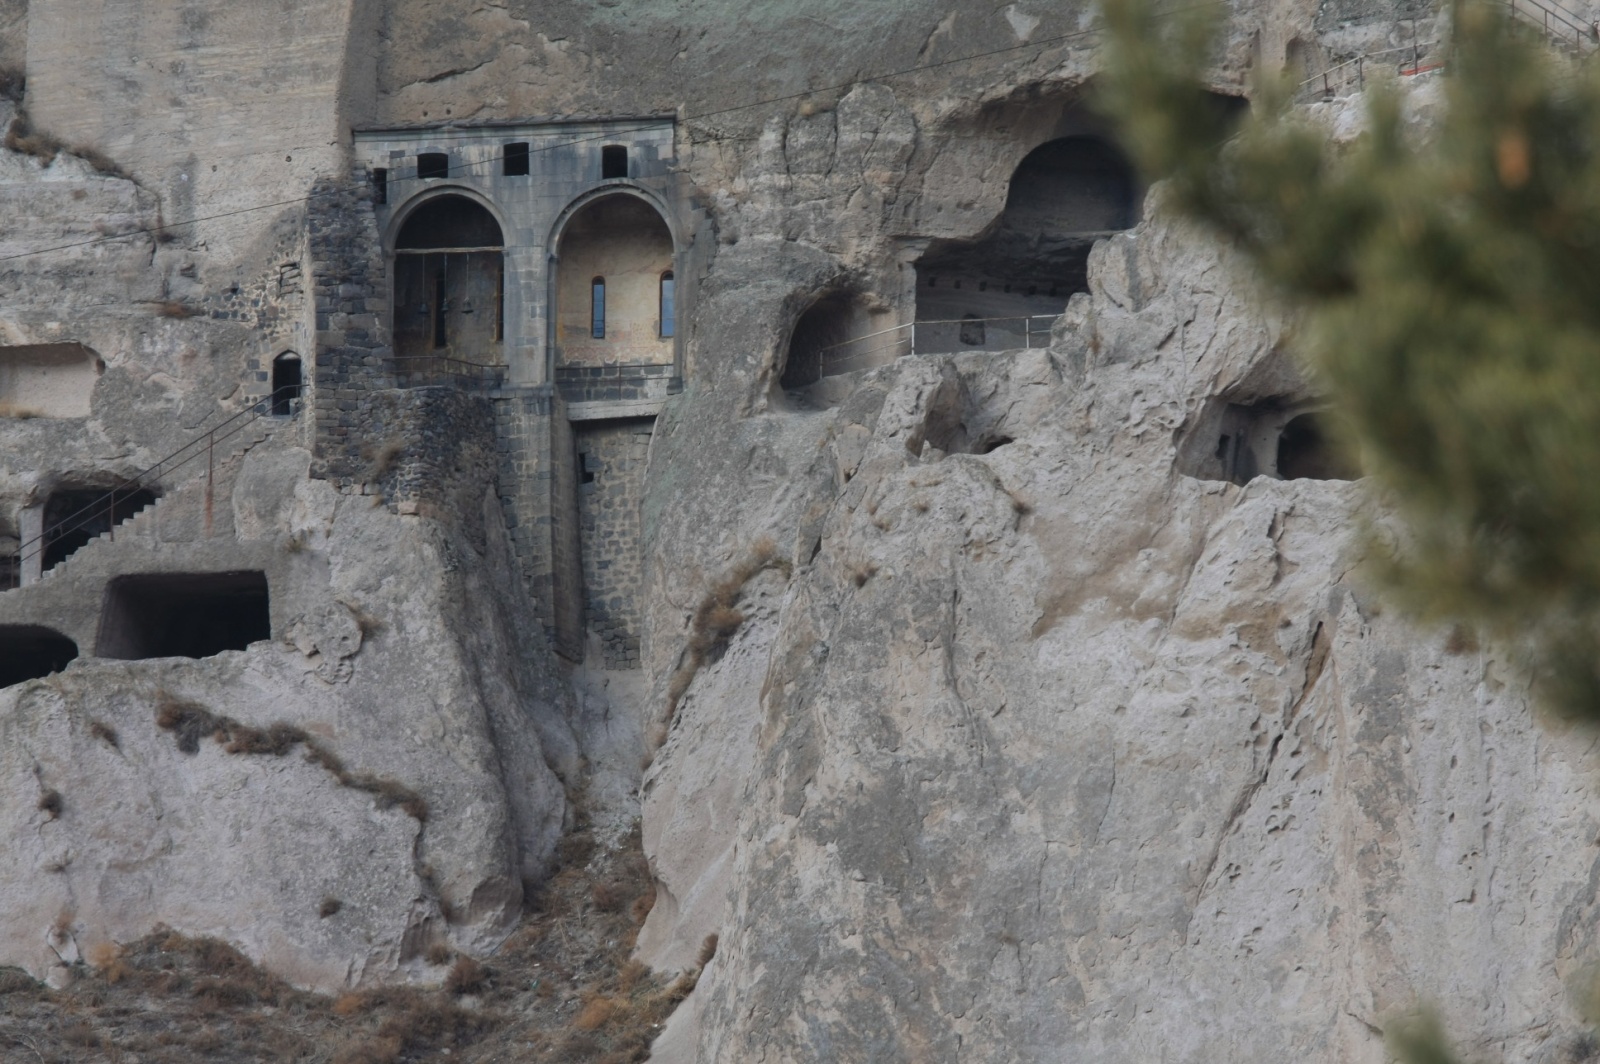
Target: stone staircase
[184,507]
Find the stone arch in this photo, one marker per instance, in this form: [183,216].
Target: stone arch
[836,334]
[620,235]
[448,250]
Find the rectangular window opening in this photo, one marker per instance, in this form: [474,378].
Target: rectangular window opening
[380,185]
[613,161]
[514,163]
[597,308]
[433,164]
[669,309]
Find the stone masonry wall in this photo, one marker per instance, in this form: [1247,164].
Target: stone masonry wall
[353,356]
[611,462]
[538,498]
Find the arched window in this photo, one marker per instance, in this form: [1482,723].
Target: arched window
[597,308]
[286,383]
[669,304]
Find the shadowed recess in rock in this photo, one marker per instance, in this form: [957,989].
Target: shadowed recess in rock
[183,615]
[28,652]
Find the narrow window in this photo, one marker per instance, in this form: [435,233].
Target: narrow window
[973,333]
[438,310]
[613,161]
[515,160]
[286,381]
[380,185]
[597,308]
[669,308]
[432,164]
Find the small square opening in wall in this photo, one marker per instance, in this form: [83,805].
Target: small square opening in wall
[515,160]
[433,164]
[613,161]
[380,185]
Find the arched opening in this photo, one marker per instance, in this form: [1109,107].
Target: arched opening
[1065,195]
[29,651]
[183,615]
[74,516]
[832,337]
[286,384]
[611,258]
[449,285]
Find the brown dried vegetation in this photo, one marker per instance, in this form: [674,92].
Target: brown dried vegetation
[715,621]
[561,991]
[190,722]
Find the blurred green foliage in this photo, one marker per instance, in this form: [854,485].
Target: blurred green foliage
[1446,282]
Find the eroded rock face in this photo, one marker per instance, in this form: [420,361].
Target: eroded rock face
[413,799]
[1046,751]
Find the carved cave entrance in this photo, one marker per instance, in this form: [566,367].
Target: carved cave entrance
[28,652]
[449,285]
[183,615]
[1065,195]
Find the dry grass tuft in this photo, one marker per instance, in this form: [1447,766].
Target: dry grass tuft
[381,458]
[467,976]
[439,954]
[105,733]
[716,619]
[596,1013]
[171,308]
[191,722]
[22,137]
[708,950]
[610,897]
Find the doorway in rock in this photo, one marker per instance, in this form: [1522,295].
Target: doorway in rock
[183,615]
[449,284]
[29,651]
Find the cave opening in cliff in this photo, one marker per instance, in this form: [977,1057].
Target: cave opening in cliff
[74,516]
[183,615]
[1306,453]
[449,285]
[29,651]
[611,257]
[997,292]
[839,333]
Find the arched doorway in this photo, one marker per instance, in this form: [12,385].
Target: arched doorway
[615,288]
[449,285]
[287,383]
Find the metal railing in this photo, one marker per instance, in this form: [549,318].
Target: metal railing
[420,371]
[1559,24]
[936,337]
[203,446]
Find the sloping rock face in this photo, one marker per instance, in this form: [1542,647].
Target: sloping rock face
[1047,751]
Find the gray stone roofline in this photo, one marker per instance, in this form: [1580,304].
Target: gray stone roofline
[504,124]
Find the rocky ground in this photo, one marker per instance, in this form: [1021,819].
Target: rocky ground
[562,989]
